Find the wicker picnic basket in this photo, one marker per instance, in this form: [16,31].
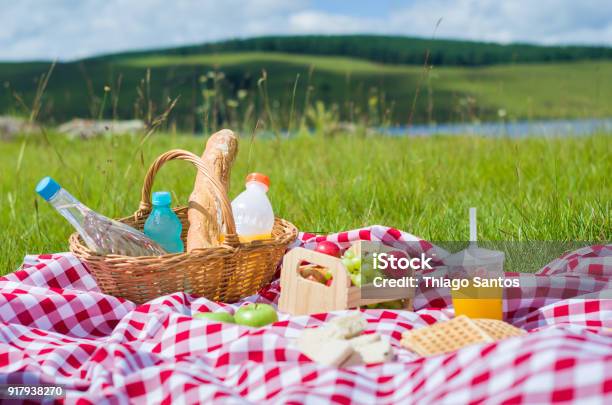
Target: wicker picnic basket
[227,272]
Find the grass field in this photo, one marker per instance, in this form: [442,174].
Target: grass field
[527,189]
[560,90]
[358,90]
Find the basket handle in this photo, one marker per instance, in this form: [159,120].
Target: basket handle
[215,187]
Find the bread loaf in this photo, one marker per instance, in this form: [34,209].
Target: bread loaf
[204,230]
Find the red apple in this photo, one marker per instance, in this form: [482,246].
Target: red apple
[399,254]
[395,271]
[328,248]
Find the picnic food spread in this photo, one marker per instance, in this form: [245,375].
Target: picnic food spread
[232,251]
[155,353]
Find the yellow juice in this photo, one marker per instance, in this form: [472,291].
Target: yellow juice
[249,238]
[478,302]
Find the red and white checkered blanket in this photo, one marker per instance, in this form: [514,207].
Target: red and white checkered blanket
[57,327]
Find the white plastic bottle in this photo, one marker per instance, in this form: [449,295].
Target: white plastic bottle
[252,210]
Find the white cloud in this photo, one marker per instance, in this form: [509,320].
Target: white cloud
[71,29]
[68,29]
[313,22]
[541,21]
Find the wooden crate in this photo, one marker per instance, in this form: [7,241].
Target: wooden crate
[300,296]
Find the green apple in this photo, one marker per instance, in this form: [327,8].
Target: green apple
[220,316]
[256,315]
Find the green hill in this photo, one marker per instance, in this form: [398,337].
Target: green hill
[392,50]
[226,87]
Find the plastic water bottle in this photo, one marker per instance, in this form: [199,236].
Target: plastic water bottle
[101,234]
[163,226]
[252,210]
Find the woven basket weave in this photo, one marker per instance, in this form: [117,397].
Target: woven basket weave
[227,272]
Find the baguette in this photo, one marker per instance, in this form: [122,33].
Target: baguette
[203,212]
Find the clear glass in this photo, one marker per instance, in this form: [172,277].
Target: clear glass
[101,234]
[75,212]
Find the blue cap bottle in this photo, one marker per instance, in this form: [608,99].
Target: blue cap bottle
[163,226]
[161,198]
[47,188]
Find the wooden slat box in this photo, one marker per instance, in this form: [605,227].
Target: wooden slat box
[300,296]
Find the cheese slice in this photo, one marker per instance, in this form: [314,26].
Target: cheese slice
[353,360]
[341,342]
[320,346]
[375,352]
[321,334]
[348,326]
[364,339]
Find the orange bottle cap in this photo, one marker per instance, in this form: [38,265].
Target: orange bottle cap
[260,178]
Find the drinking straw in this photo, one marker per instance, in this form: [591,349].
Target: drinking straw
[473,233]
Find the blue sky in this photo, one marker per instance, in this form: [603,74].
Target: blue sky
[71,29]
[374,8]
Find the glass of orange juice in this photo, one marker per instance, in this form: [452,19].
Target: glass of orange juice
[478,302]
[480,294]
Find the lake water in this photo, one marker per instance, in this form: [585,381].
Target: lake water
[511,129]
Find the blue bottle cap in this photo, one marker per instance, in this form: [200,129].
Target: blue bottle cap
[161,198]
[47,188]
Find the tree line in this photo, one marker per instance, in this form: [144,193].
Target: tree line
[395,50]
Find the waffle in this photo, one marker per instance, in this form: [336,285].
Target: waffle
[444,337]
[498,330]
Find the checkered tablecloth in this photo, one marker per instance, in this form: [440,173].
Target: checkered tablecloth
[57,327]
